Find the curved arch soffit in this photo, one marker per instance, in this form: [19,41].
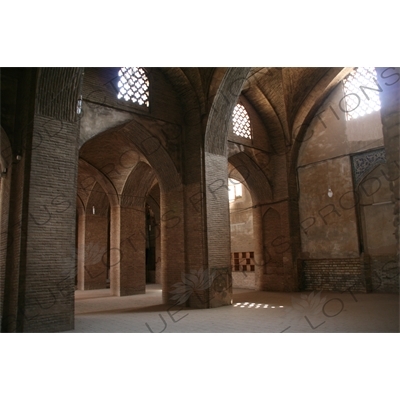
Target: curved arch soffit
[257,183]
[151,150]
[136,187]
[310,106]
[314,101]
[80,207]
[102,180]
[155,153]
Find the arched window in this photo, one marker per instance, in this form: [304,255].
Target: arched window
[134,85]
[361,91]
[241,122]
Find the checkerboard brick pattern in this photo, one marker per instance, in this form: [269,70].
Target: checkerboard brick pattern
[243,261]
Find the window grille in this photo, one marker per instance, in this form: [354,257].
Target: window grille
[134,85]
[241,122]
[361,91]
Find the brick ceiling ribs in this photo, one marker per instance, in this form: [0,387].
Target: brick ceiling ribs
[99,200]
[285,97]
[137,186]
[257,182]
[282,97]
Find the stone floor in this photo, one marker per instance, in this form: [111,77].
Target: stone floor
[251,311]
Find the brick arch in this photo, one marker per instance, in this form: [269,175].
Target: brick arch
[137,136]
[89,172]
[156,154]
[187,83]
[258,184]
[221,110]
[137,185]
[99,199]
[306,112]
[269,117]
[80,207]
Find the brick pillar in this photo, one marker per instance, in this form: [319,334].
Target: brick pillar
[81,250]
[196,247]
[96,251]
[259,259]
[45,257]
[389,80]
[216,186]
[218,229]
[172,244]
[133,251]
[115,251]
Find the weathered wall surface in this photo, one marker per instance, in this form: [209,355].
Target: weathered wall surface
[330,135]
[329,224]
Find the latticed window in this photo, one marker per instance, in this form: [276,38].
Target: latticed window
[361,91]
[241,122]
[134,85]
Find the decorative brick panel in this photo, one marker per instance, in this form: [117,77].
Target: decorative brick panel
[243,261]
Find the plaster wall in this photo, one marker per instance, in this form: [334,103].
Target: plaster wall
[329,225]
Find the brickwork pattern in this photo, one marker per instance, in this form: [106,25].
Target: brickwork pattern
[132,251]
[96,251]
[243,280]
[47,281]
[218,226]
[60,92]
[333,275]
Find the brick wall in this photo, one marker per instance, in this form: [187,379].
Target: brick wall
[243,280]
[333,274]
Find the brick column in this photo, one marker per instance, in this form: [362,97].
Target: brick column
[96,251]
[172,243]
[218,229]
[47,252]
[215,177]
[81,250]
[133,251]
[115,251]
[258,248]
[389,80]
